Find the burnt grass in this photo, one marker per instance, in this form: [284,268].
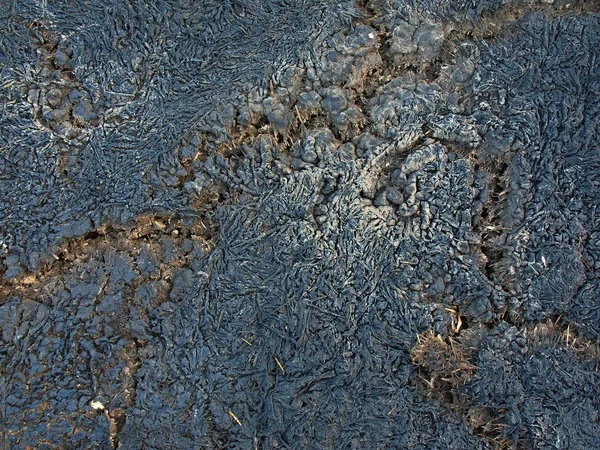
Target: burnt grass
[303,225]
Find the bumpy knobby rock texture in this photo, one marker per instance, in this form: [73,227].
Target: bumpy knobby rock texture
[300,224]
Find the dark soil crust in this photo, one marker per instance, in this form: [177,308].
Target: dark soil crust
[367,225]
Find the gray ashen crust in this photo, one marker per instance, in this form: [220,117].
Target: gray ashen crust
[231,224]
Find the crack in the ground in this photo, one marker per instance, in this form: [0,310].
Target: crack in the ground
[121,238]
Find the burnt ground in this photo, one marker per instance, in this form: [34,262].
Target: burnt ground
[300,224]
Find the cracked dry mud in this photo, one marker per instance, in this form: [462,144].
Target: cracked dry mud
[300,224]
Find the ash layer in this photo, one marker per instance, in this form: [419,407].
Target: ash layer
[291,224]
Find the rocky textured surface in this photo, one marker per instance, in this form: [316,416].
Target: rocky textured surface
[294,224]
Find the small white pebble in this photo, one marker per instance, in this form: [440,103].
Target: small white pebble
[371,36]
[97,405]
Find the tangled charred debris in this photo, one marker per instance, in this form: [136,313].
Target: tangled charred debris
[300,224]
